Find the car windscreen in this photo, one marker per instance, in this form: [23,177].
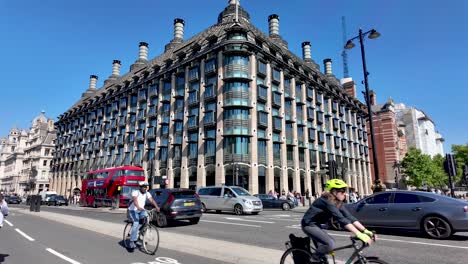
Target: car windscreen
[241,191]
[127,191]
[183,194]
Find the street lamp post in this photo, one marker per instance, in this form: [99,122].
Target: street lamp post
[349,45]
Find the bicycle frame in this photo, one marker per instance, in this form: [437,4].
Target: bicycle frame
[356,253]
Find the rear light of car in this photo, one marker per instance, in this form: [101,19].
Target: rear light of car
[170,199]
[465,209]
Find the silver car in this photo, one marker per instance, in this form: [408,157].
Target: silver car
[229,198]
[435,215]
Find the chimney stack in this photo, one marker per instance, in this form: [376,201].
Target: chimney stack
[233,2]
[327,63]
[179,29]
[306,54]
[273,22]
[372,97]
[116,68]
[143,52]
[349,86]
[92,82]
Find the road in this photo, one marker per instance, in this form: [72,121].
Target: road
[270,230]
[29,239]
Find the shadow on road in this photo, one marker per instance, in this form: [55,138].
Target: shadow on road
[2,257]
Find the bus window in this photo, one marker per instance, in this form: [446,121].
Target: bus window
[134,173]
[89,176]
[116,174]
[127,191]
[102,175]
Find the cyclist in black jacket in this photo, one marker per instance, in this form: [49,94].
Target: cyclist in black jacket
[329,205]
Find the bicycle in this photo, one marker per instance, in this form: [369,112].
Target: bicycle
[304,255]
[148,234]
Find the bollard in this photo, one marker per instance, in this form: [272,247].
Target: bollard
[31,202]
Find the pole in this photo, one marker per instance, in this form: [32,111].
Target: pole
[369,107]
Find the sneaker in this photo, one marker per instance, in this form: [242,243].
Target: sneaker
[132,245]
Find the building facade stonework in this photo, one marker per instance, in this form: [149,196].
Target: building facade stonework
[25,157]
[231,105]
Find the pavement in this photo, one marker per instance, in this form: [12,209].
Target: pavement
[228,238]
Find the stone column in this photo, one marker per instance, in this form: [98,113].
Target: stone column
[170,149]
[184,177]
[201,175]
[219,171]
[297,176]
[307,178]
[284,158]
[157,166]
[253,177]
[270,172]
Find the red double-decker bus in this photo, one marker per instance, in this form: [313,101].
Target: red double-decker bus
[107,186]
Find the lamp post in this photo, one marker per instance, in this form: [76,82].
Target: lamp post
[373,34]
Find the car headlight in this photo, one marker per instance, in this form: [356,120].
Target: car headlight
[247,201]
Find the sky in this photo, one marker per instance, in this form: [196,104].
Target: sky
[49,48]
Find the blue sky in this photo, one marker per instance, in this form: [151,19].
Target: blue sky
[50,47]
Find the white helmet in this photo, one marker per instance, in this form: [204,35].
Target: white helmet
[143,183]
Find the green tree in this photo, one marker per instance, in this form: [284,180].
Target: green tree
[461,158]
[418,167]
[438,177]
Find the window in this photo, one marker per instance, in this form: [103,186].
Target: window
[44,163]
[262,67]
[379,198]
[237,36]
[215,191]
[236,145]
[47,152]
[210,148]
[193,150]
[410,198]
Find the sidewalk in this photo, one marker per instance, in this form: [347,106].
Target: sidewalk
[220,250]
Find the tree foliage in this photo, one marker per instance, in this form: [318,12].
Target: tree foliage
[422,170]
[461,158]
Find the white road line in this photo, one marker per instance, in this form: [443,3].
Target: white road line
[23,234]
[276,219]
[8,222]
[246,220]
[393,240]
[62,256]
[227,223]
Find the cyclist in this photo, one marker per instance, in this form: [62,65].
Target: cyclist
[137,210]
[329,205]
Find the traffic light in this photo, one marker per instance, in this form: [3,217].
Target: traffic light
[450,166]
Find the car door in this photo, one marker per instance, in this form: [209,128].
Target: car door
[373,210]
[267,200]
[215,199]
[228,199]
[406,210]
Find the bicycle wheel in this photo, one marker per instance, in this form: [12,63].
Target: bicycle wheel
[297,256]
[126,234]
[370,260]
[151,240]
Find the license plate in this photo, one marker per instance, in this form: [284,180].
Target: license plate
[189,204]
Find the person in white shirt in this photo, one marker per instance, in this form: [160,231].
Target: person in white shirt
[3,209]
[137,210]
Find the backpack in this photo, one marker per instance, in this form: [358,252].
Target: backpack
[300,243]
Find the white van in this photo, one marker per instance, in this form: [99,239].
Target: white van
[45,196]
[229,198]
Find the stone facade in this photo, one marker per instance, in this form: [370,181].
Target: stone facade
[420,130]
[231,105]
[25,157]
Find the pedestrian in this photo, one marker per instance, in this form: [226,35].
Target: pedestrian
[3,209]
[307,195]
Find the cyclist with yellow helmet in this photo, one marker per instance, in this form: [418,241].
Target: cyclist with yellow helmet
[329,205]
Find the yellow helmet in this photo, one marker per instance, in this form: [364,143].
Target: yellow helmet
[335,184]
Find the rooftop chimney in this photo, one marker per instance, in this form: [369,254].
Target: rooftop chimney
[327,64]
[233,2]
[349,86]
[179,29]
[143,52]
[116,68]
[373,97]
[92,82]
[273,22]
[306,54]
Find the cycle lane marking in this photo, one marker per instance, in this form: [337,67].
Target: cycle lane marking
[8,222]
[247,220]
[228,223]
[62,256]
[24,234]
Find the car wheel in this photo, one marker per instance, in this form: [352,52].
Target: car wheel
[161,220]
[55,203]
[286,207]
[203,208]
[437,227]
[238,210]
[194,221]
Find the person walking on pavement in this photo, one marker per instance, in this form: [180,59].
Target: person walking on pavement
[137,210]
[3,209]
[329,205]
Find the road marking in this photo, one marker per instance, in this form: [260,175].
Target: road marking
[23,234]
[246,220]
[227,223]
[391,240]
[8,222]
[62,256]
[276,219]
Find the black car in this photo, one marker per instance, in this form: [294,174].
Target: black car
[176,204]
[13,200]
[269,201]
[57,200]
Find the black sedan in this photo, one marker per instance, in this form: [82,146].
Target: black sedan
[269,201]
[57,200]
[13,200]
[176,204]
